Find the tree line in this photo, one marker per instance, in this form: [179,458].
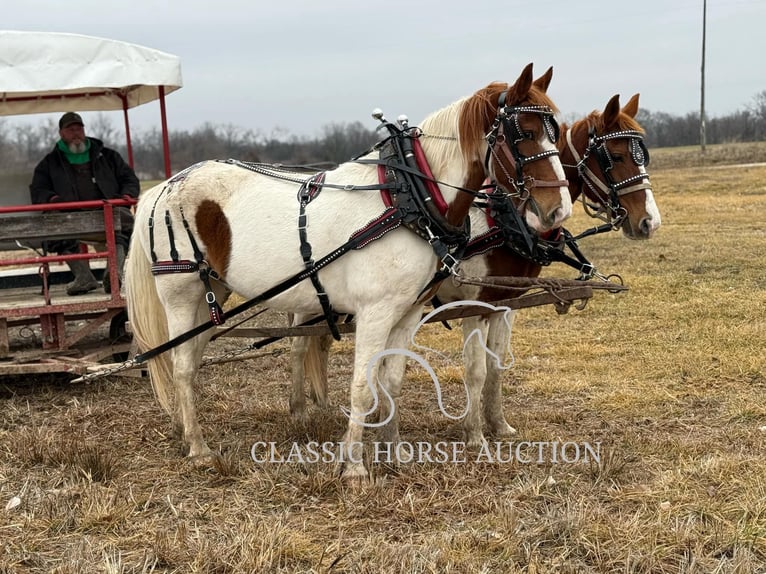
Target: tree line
[23,145]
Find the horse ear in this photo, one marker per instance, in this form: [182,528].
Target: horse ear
[611,111]
[545,80]
[631,108]
[520,88]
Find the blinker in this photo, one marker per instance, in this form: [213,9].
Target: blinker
[551,128]
[639,152]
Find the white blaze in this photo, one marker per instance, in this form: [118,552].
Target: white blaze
[566,201]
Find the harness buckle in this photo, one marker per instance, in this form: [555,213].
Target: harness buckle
[425,226]
[587,272]
[210,297]
[450,263]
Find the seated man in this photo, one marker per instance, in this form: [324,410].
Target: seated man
[81,168]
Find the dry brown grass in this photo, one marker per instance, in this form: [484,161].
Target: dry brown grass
[718,154]
[669,377]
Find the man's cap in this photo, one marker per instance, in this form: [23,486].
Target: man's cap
[70,118]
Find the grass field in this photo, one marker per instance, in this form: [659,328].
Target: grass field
[668,378]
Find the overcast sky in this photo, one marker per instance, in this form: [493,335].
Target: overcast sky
[298,65]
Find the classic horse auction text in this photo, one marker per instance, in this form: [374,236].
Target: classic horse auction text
[443,452]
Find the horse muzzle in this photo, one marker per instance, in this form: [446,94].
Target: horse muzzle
[543,218]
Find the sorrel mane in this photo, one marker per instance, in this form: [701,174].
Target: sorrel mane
[479,111]
[597,119]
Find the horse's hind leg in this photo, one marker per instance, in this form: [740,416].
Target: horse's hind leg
[184,313]
[186,362]
[498,342]
[316,366]
[299,348]
[308,361]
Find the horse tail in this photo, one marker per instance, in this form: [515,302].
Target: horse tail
[315,367]
[147,319]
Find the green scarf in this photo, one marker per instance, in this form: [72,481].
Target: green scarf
[75,158]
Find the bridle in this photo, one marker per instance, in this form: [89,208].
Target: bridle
[503,141]
[608,194]
[506,134]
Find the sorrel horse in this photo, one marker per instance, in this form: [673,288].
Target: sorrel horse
[241,230]
[604,160]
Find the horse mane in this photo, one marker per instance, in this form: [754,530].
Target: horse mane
[479,111]
[440,129]
[596,119]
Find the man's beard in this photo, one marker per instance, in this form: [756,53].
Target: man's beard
[77,147]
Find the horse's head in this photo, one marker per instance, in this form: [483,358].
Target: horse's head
[606,160]
[512,130]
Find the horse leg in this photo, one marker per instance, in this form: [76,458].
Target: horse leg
[308,360]
[183,313]
[498,342]
[474,334]
[316,369]
[372,332]
[392,375]
[299,347]
[186,360]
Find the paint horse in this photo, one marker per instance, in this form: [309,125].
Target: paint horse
[604,159]
[238,228]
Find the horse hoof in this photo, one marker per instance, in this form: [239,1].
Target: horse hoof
[503,430]
[475,441]
[298,414]
[353,474]
[297,406]
[203,460]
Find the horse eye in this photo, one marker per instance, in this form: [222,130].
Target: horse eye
[529,135]
[617,158]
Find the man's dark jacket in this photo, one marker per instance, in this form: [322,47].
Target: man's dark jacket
[54,179]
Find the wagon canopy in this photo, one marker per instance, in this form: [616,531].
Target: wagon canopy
[56,72]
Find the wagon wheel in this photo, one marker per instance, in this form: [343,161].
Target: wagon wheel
[118,334]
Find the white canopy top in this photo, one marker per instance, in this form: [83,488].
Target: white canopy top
[56,72]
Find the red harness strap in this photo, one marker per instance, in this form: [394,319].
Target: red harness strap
[431,186]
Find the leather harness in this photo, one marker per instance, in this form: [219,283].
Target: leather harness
[411,196]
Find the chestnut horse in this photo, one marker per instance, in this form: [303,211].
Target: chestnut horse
[246,232]
[604,159]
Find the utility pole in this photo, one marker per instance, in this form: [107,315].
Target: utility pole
[702,89]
